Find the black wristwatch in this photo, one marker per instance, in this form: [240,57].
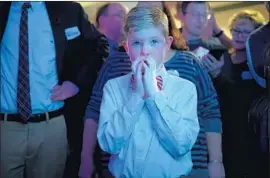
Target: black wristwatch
[218,34]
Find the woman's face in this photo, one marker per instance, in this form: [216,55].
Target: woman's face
[240,32]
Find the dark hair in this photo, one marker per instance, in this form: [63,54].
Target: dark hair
[103,10]
[182,6]
[178,41]
[267,4]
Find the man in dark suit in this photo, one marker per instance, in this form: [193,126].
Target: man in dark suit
[255,46]
[50,55]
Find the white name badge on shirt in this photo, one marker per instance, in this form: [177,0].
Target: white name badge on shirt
[72,32]
[246,75]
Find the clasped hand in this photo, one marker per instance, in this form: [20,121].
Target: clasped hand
[144,69]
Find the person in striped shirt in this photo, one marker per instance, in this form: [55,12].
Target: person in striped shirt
[189,67]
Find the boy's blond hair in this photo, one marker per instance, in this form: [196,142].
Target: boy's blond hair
[255,17]
[140,18]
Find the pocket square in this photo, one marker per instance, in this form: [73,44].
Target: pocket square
[72,32]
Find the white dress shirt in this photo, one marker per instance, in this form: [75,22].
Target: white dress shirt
[149,138]
[42,60]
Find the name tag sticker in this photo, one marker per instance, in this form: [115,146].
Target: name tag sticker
[72,32]
[246,75]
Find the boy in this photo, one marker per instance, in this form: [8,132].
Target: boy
[148,118]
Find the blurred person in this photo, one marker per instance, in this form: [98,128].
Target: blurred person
[258,118]
[42,70]
[255,45]
[206,154]
[142,115]
[194,16]
[206,28]
[109,21]
[218,34]
[237,89]
[149,3]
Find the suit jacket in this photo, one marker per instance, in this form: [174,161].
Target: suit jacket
[255,46]
[78,59]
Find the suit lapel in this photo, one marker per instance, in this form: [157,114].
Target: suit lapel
[56,24]
[58,32]
[4,11]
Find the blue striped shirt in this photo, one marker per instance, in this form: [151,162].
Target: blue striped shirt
[188,67]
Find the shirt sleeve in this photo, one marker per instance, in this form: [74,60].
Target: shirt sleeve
[117,122]
[93,107]
[207,101]
[177,125]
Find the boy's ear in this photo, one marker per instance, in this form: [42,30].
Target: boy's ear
[125,46]
[169,41]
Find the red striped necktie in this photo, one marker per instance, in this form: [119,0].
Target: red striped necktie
[23,91]
[133,82]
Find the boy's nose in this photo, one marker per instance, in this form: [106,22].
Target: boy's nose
[145,51]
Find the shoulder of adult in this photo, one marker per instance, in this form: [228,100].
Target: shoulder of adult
[65,5]
[189,57]
[5,4]
[260,33]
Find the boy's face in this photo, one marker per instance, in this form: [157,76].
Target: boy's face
[195,18]
[149,42]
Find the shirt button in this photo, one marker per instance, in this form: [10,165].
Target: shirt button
[140,150]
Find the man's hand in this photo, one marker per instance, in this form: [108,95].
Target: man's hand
[216,170]
[149,77]
[137,67]
[213,65]
[64,91]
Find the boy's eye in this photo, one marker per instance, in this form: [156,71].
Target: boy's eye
[136,43]
[154,41]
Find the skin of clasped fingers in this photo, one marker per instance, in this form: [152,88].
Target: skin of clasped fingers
[149,78]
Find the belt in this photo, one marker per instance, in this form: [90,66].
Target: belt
[35,118]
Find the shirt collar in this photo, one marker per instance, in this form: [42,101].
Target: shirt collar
[162,72]
[34,5]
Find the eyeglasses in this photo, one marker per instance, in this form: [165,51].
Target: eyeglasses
[197,14]
[240,32]
[120,15]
